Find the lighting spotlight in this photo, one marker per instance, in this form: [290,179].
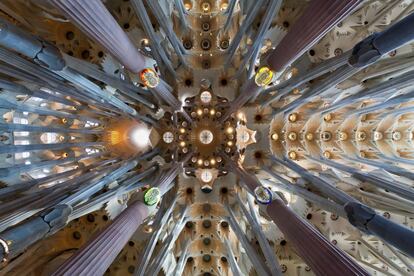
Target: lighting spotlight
[188,6]
[224,6]
[140,137]
[145,42]
[205,6]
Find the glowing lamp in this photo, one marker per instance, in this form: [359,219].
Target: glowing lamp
[140,137]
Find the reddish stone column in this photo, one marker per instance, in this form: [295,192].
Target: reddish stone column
[98,254]
[94,19]
[318,18]
[321,255]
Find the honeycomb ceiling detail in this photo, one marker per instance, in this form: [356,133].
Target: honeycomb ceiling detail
[201,137]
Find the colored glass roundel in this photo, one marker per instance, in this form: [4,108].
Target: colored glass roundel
[152,196]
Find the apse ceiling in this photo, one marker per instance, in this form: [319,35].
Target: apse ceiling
[201,137]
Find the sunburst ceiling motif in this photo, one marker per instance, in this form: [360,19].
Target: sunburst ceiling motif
[200,137]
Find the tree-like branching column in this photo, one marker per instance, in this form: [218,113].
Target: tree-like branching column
[96,256]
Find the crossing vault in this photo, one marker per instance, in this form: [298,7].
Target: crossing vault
[206,137]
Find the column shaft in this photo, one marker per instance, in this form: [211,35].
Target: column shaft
[98,254]
[57,146]
[318,18]
[321,255]
[17,169]
[94,19]
[36,128]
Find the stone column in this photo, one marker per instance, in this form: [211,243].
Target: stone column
[368,221]
[55,146]
[318,18]
[94,19]
[98,254]
[321,255]
[17,169]
[31,46]
[256,260]
[34,128]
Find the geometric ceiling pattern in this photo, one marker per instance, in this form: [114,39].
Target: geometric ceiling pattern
[201,137]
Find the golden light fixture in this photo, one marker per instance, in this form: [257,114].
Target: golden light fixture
[293,155]
[309,136]
[205,6]
[342,136]
[361,135]
[188,6]
[328,117]
[327,154]
[230,130]
[145,42]
[224,6]
[275,137]
[148,229]
[293,117]
[292,136]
